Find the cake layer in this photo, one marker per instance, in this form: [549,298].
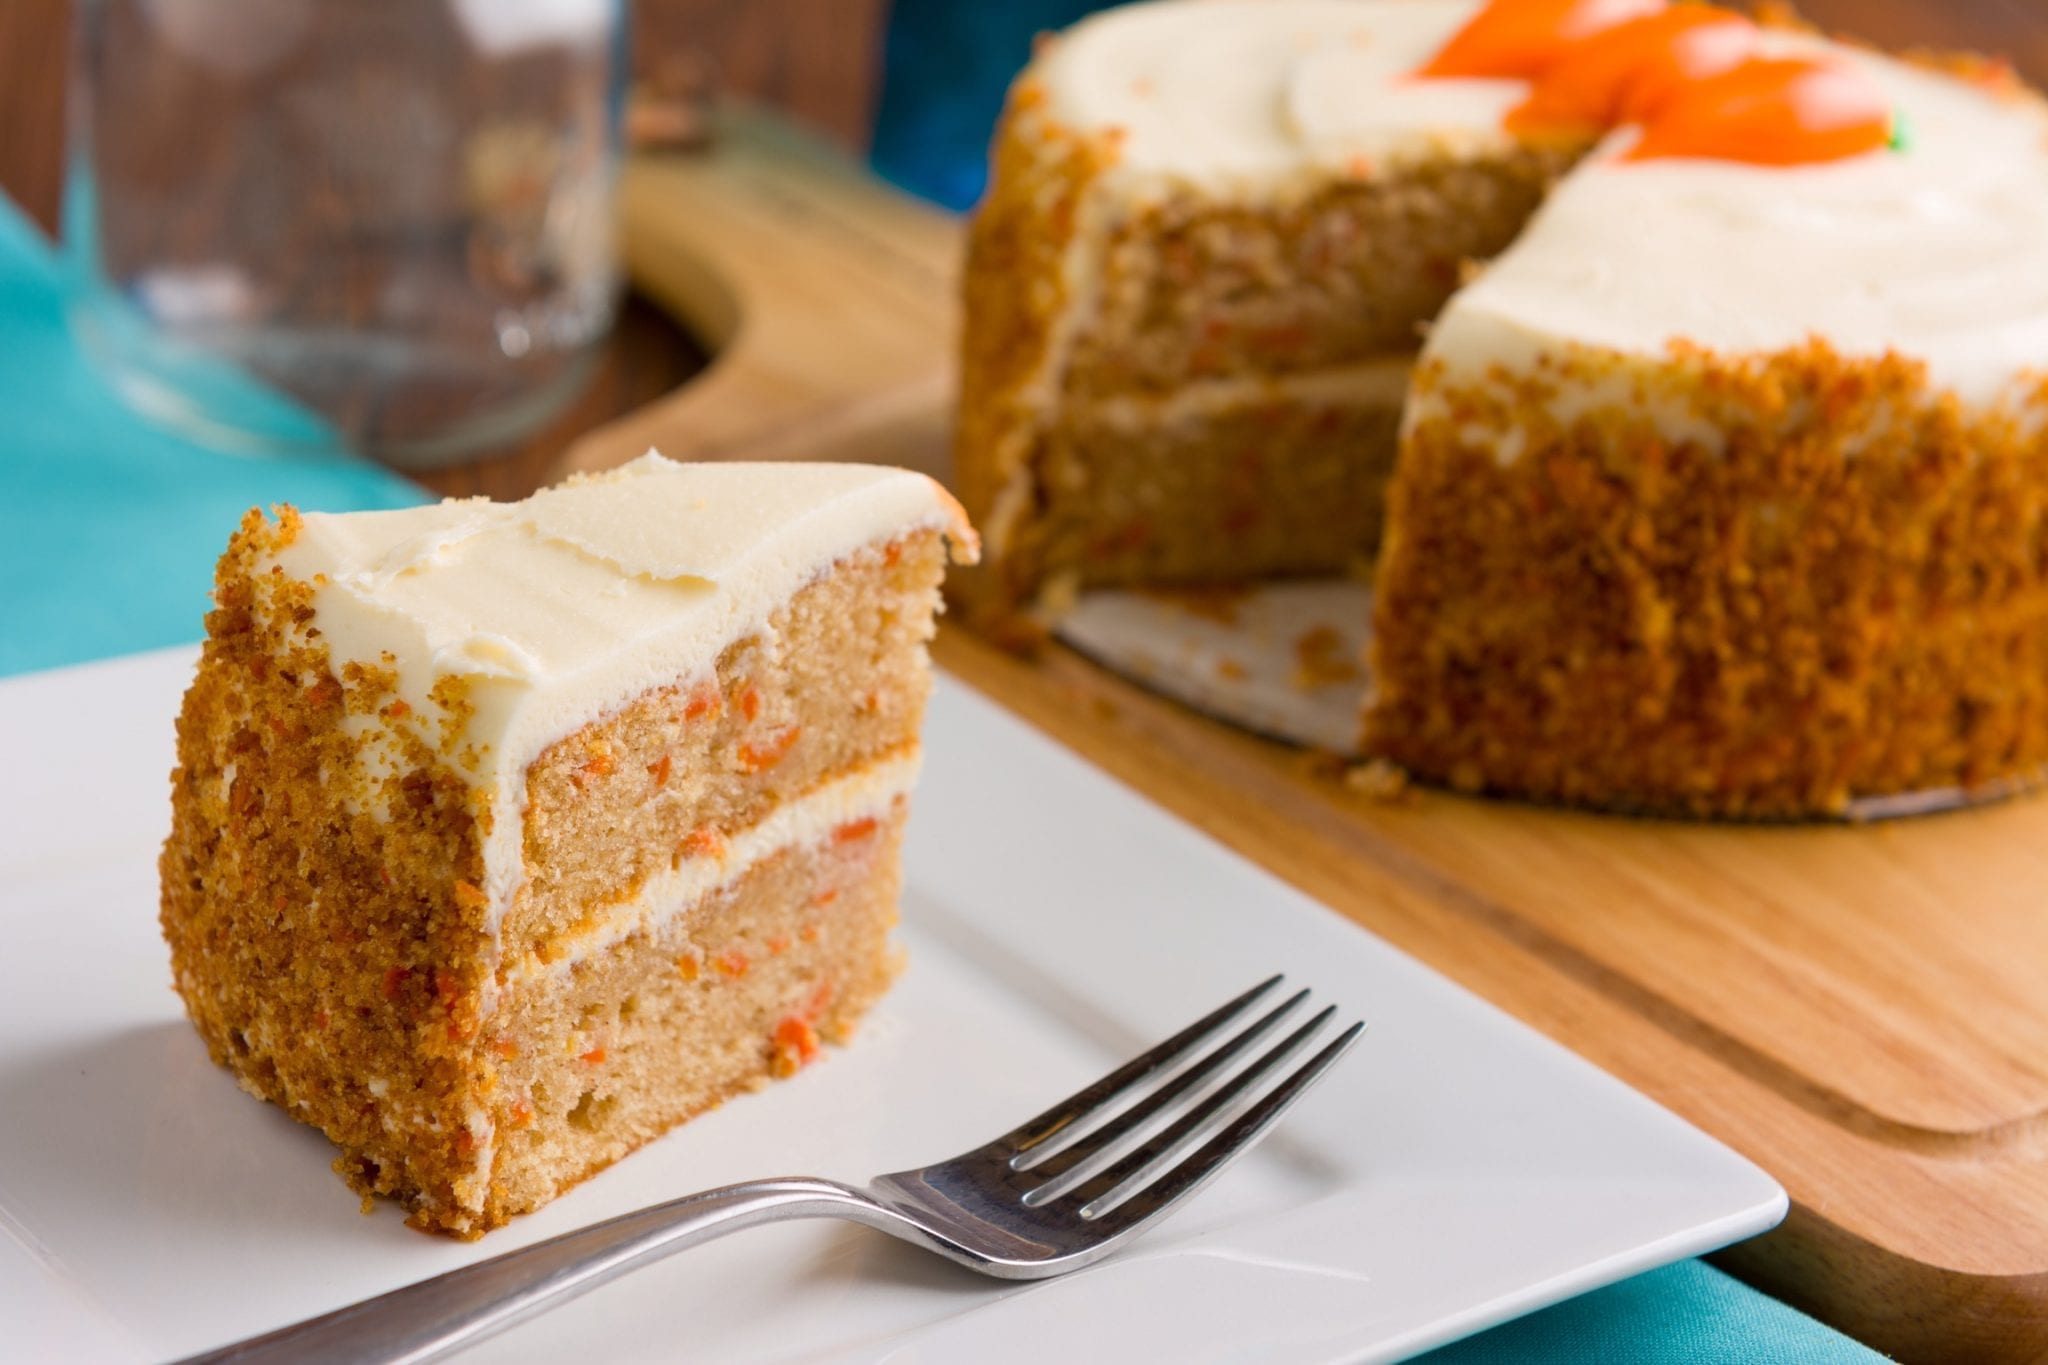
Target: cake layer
[679,773]
[1223,480]
[1194,287]
[714,995]
[1840,591]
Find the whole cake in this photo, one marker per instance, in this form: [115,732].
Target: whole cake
[1722,489]
[507,836]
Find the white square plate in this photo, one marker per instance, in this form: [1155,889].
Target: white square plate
[1455,1170]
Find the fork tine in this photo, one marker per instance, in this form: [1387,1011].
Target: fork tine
[1149,1197]
[1197,1123]
[1091,1098]
[1115,1131]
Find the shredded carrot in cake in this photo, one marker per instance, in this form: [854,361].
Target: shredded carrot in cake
[796,1045]
[705,842]
[599,764]
[757,758]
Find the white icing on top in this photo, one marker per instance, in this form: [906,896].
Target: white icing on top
[1939,252]
[558,610]
[1240,93]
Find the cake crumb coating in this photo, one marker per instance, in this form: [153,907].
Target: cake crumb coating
[1841,593]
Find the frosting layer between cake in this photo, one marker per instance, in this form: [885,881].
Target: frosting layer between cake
[809,819]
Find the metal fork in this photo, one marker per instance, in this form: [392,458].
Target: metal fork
[1059,1193]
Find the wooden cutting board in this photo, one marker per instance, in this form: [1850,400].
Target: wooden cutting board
[1863,1010]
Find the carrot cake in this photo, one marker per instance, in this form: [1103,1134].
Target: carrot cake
[1722,489]
[507,836]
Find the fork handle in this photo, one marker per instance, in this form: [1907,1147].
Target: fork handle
[453,1311]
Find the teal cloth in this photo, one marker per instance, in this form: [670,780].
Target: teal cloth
[108,532]
[109,526]
[1684,1314]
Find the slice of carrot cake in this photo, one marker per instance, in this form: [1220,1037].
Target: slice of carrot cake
[507,836]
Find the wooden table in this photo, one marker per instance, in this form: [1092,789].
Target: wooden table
[1860,1010]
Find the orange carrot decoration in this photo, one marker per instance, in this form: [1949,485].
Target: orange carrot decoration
[1627,73]
[1782,112]
[1521,37]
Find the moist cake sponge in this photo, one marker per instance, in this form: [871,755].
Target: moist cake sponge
[507,836]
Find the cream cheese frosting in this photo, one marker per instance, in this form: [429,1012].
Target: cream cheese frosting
[555,611]
[1938,251]
[1241,95]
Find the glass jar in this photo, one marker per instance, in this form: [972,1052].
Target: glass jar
[384,222]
